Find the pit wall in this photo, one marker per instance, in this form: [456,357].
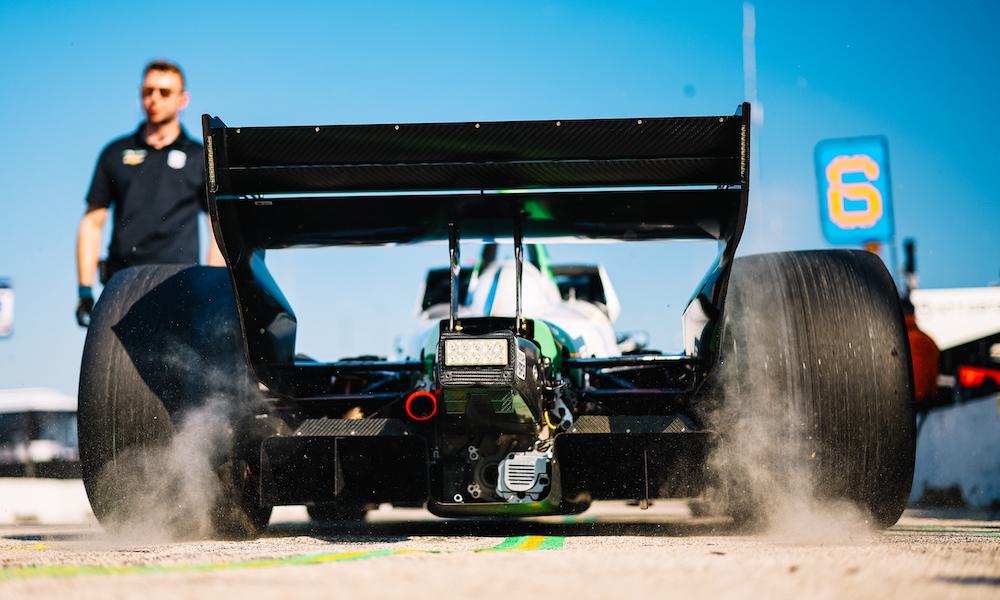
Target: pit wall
[958,450]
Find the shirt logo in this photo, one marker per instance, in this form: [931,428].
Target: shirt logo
[133,157]
[177,159]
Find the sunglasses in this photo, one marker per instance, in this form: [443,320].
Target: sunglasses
[164,92]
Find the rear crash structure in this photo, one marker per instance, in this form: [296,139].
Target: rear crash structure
[493,414]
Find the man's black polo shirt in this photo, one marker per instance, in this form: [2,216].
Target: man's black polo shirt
[156,195]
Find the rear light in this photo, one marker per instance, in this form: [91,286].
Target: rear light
[476,352]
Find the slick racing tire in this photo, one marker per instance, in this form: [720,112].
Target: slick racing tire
[164,387]
[818,394]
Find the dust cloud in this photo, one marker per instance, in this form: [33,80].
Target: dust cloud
[768,482]
[766,462]
[168,491]
[172,486]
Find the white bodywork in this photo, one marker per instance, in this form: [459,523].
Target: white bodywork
[492,294]
[957,316]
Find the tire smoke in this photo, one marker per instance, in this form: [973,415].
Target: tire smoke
[768,460]
[180,484]
[168,491]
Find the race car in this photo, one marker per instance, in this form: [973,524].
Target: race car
[518,399]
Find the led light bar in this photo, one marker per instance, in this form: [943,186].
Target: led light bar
[476,352]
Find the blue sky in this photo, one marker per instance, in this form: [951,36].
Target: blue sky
[925,76]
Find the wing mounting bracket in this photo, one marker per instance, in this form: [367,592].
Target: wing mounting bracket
[456,270]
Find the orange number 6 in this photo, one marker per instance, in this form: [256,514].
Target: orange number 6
[864,191]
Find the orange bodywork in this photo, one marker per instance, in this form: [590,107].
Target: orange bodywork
[926,363]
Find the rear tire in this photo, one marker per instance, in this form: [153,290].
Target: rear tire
[816,373]
[164,388]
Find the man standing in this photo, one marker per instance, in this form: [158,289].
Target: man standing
[155,179]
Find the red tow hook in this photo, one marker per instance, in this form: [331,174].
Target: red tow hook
[421,405]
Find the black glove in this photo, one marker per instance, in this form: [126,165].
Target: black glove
[85,306]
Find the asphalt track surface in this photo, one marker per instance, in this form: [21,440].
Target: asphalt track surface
[613,550]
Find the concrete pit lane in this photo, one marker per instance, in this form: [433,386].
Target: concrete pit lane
[612,550]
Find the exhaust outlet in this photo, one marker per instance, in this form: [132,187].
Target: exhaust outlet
[421,405]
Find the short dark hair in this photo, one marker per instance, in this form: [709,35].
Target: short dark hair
[164,65]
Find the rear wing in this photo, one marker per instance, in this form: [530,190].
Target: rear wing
[624,179]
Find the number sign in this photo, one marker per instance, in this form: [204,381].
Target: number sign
[855,195]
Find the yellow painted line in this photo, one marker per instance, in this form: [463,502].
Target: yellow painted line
[336,557]
[38,546]
[303,559]
[518,543]
[532,543]
[526,542]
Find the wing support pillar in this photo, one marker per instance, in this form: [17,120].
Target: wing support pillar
[519,265]
[456,270]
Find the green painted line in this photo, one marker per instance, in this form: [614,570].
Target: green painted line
[516,543]
[305,559]
[507,544]
[949,527]
[961,532]
[527,543]
[552,542]
[956,530]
